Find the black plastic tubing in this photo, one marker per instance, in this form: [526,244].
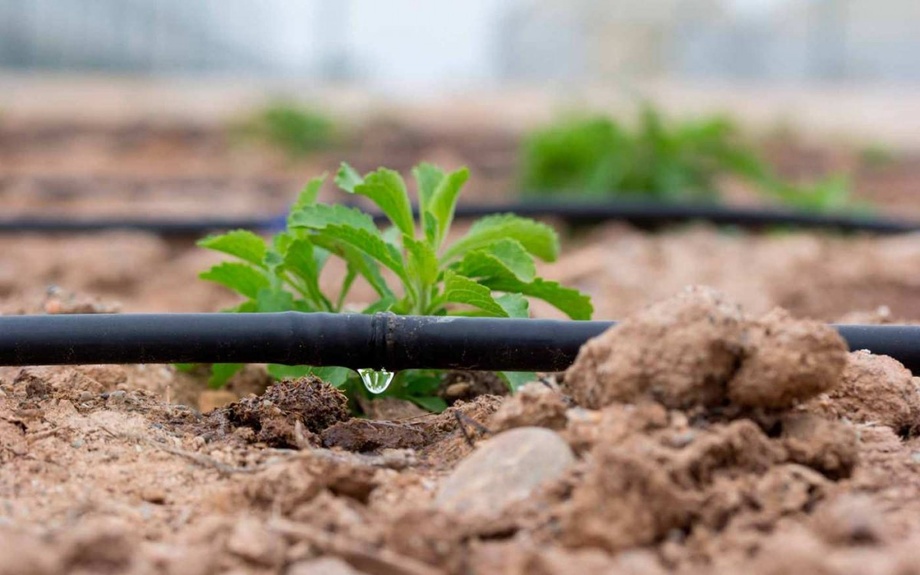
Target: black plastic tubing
[349,340]
[641,214]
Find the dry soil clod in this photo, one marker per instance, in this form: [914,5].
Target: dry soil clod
[534,404]
[785,361]
[679,352]
[697,350]
[289,413]
[874,389]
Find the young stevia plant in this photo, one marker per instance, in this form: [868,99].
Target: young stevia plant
[489,272]
[662,160]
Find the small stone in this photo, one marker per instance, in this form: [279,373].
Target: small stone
[457,389]
[504,470]
[154,495]
[117,397]
[85,396]
[322,566]
[683,439]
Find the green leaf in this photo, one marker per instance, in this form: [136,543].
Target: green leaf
[248,306]
[370,243]
[360,262]
[427,178]
[320,216]
[431,403]
[347,178]
[334,376]
[185,367]
[516,379]
[422,261]
[281,243]
[570,301]
[352,235]
[444,200]
[273,260]
[309,193]
[221,374]
[241,278]
[392,236]
[301,261]
[274,300]
[503,258]
[279,371]
[514,304]
[418,382]
[463,290]
[304,262]
[515,257]
[242,244]
[430,227]
[349,279]
[387,189]
[537,238]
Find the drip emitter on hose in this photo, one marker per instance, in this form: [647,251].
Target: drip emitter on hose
[381,341]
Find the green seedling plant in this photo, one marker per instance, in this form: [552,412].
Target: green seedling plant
[297,130]
[828,195]
[659,160]
[410,265]
[656,159]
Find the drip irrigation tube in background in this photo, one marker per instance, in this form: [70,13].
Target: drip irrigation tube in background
[349,340]
[641,214]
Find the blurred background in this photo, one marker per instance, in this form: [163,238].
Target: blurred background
[403,45]
[833,71]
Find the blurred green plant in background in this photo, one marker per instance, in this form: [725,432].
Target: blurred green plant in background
[296,129]
[659,160]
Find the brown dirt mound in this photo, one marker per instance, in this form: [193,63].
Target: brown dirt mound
[290,413]
[533,404]
[696,350]
[876,390]
[680,352]
[785,360]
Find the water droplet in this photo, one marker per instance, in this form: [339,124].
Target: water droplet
[376,381]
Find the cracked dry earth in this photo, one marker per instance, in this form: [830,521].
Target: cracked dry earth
[692,438]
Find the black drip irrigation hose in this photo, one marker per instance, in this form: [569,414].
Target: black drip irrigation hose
[641,214]
[356,341]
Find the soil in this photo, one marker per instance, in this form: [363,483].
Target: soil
[710,432]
